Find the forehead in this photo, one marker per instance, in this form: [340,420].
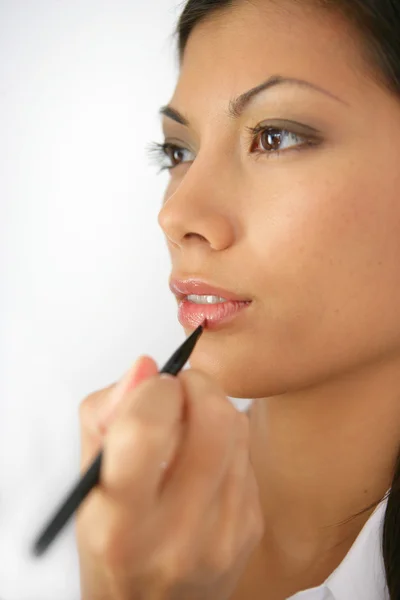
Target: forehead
[237,48]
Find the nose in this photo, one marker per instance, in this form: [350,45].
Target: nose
[194,214]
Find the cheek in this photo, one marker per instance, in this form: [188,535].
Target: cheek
[332,257]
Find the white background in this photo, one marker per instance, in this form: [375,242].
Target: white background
[84,265]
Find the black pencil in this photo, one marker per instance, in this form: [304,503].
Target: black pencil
[92,476]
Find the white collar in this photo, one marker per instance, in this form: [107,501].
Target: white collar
[361,574]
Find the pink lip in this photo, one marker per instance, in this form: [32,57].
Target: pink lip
[213,316]
[191,315]
[182,288]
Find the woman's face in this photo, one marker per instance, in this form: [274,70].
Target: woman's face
[311,235]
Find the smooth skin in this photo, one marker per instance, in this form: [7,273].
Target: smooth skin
[312,236]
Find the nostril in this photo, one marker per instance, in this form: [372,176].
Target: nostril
[196,235]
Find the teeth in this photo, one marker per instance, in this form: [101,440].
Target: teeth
[206,299]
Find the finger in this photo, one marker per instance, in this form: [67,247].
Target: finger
[97,410]
[206,448]
[144,433]
[90,435]
[142,369]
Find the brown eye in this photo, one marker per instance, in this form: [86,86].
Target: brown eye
[273,140]
[175,154]
[270,139]
[169,155]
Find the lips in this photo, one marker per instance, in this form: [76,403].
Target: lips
[183,288]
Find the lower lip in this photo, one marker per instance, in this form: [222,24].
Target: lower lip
[192,315]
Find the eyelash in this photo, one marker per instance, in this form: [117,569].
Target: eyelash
[161,151]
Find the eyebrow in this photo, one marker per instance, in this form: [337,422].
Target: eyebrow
[238,105]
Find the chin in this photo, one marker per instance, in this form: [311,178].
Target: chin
[242,374]
[237,382]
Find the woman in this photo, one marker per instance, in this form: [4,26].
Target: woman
[286,196]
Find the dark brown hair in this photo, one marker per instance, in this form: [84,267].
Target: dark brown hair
[378,24]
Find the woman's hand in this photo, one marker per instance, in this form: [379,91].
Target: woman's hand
[184,533]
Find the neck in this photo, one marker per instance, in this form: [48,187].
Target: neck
[323,455]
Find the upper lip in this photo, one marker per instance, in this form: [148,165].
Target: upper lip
[185,287]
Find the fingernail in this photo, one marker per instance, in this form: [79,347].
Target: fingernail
[167,376]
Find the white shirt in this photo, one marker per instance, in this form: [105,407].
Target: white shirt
[361,574]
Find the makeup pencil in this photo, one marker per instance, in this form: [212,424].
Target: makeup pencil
[92,476]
